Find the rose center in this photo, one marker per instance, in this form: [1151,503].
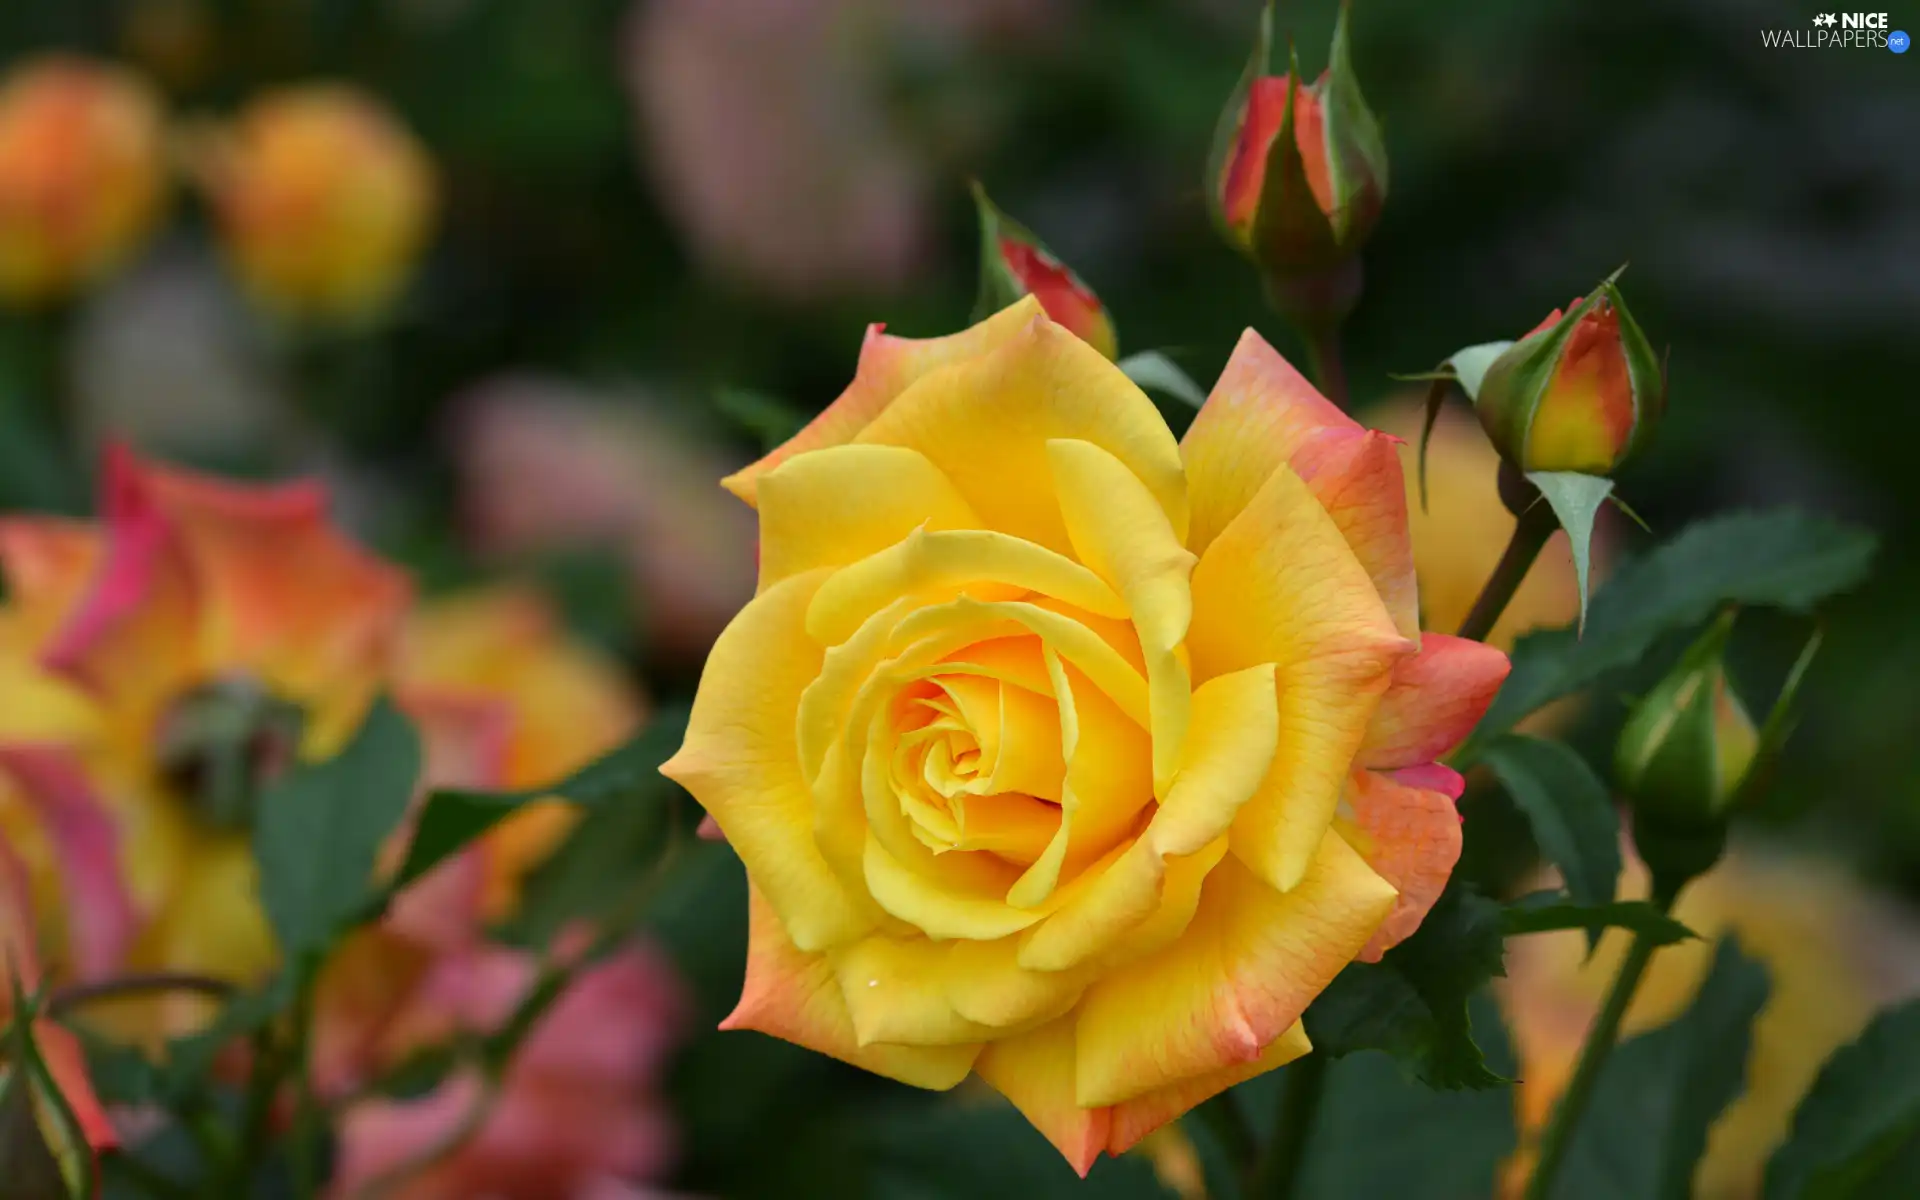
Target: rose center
[976,766]
[222,744]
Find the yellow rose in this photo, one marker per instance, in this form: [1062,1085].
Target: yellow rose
[1065,754]
[1834,955]
[82,174]
[324,200]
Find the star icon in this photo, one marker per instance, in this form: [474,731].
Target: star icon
[1824,19]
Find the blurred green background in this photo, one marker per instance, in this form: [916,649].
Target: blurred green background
[651,205]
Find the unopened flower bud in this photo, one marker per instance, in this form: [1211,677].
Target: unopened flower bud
[1014,263]
[1580,393]
[82,175]
[1689,744]
[324,201]
[1299,173]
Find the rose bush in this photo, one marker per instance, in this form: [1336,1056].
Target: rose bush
[1066,754]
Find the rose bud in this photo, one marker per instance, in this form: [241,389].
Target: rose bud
[81,175]
[1014,263]
[1690,756]
[1689,743]
[1299,173]
[1581,393]
[324,201]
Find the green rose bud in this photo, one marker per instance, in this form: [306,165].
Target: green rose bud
[1689,757]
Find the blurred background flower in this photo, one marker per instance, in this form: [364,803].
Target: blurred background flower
[82,174]
[323,200]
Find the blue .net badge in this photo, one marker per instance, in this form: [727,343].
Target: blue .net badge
[1898,41]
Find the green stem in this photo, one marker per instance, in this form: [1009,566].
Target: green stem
[303,1152]
[256,1117]
[80,994]
[1277,1173]
[1324,359]
[1558,1137]
[1229,1125]
[1530,533]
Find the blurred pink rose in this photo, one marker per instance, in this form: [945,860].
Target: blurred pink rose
[766,125]
[576,1116]
[544,465]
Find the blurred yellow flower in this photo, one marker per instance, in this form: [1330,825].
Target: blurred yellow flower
[324,200]
[168,662]
[1834,953]
[82,174]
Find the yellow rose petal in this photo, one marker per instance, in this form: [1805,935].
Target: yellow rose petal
[836,506]
[986,422]
[1280,585]
[741,762]
[1245,970]
[1121,532]
[937,566]
[1228,752]
[795,996]
[1035,1071]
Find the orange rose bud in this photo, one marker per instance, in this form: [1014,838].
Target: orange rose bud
[323,198]
[1299,173]
[1014,263]
[81,175]
[1580,393]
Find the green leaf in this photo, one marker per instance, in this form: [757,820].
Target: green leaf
[1785,559]
[452,818]
[1569,809]
[998,287]
[27,1163]
[1413,1002]
[1777,728]
[1576,500]
[956,1148]
[597,870]
[1290,232]
[320,829]
[1546,912]
[1660,1093]
[1862,1112]
[1382,1134]
[1153,370]
[1355,153]
[1470,365]
[1466,367]
[32,1107]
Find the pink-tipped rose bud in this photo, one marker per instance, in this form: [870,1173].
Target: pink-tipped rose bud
[1580,393]
[1299,172]
[1014,263]
[81,175]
